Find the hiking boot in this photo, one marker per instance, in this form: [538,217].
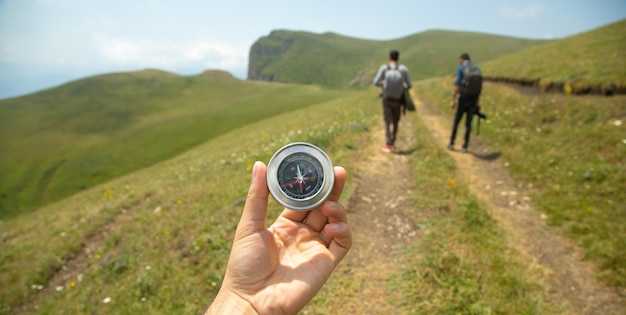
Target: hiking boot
[464,150]
[451,147]
[387,148]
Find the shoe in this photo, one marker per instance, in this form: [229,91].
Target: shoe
[387,149]
[464,150]
[451,147]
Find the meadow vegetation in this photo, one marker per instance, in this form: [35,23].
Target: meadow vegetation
[67,139]
[459,265]
[338,61]
[568,152]
[588,62]
[157,241]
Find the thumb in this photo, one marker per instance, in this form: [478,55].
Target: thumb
[254,212]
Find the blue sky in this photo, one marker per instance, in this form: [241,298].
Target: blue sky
[44,43]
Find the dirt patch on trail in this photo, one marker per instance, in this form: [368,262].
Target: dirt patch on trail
[568,280]
[377,210]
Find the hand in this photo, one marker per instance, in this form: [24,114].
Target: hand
[452,104]
[278,270]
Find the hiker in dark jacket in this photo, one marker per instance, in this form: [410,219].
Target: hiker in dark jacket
[468,98]
[394,78]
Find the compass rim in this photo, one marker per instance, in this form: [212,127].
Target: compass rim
[312,201]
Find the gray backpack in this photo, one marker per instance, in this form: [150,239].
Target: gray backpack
[472,83]
[393,83]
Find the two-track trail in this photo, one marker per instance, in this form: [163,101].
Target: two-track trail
[568,279]
[382,197]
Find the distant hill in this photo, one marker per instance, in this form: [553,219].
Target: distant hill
[333,60]
[590,60]
[65,139]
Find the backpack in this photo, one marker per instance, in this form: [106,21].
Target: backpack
[472,82]
[393,83]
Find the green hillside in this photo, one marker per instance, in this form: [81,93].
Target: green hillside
[333,60]
[594,59]
[69,138]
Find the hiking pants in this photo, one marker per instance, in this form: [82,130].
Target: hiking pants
[469,108]
[391,115]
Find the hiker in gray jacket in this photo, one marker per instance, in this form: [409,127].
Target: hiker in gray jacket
[394,78]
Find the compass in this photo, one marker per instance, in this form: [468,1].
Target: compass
[300,176]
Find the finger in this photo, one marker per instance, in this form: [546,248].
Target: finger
[254,212]
[314,218]
[340,180]
[341,239]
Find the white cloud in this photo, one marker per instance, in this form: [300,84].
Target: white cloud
[522,12]
[171,55]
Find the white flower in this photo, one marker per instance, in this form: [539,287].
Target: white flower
[106,300]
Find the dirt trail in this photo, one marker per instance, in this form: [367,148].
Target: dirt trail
[379,234]
[570,282]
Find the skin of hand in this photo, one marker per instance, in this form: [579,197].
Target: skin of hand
[278,270]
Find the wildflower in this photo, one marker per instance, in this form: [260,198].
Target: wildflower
[106,300]
[249,167]
[108,194]
[451,183]
[617,123]
[178,202]
[97,256]
[72,284]
[59,288]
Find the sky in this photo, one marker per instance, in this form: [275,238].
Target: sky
[45,43]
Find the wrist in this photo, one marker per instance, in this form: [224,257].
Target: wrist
[227,302]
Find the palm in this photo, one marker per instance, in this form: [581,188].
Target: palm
[290,258]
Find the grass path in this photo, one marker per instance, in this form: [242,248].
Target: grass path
[568,280]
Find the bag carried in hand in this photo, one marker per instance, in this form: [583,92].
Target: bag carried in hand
[407,101]
[472,83]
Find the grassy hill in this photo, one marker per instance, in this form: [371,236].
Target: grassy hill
[157,240]
[333,60]
[591,60]
[69,138]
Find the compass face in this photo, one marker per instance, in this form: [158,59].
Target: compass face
[300,176]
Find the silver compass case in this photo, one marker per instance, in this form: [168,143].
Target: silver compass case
[300,176]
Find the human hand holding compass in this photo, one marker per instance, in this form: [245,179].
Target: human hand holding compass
[279,269]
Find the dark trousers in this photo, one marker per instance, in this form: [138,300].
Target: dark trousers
[469,108]
[391,115]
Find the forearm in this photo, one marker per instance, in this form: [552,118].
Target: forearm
[227,302]
[455,94]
